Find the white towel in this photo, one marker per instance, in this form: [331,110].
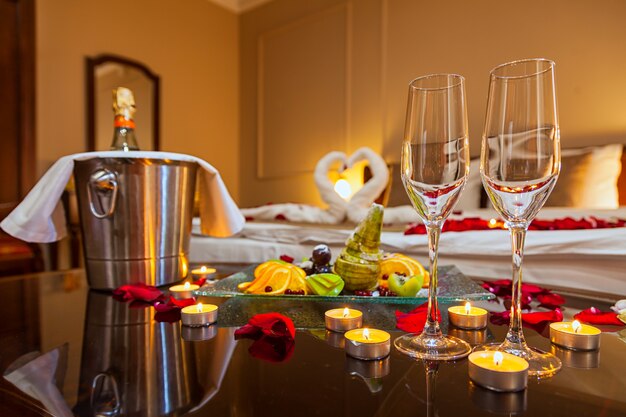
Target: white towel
[40,216]
[362,200]
[303,213]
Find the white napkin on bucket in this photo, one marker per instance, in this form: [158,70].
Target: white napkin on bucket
[40,216]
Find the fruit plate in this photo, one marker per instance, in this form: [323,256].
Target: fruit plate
[453,287]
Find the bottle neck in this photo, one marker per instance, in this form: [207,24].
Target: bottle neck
[121,121]
[124,135]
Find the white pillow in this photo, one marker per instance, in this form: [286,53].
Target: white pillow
[470,198]
[599,190]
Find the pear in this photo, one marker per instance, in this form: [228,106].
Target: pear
[359,262]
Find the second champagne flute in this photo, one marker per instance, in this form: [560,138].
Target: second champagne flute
[435,165]
[520,163]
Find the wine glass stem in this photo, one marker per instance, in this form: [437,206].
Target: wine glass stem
[431,328]
[515,335]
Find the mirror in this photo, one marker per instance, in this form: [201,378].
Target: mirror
[104,73]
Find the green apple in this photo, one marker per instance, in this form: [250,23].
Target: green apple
[405,286]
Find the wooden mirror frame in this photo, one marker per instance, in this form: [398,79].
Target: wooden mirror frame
[91,64]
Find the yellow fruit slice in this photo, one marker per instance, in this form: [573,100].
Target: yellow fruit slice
[242,286]
[279,281]
[401,264]
[275,274]
[265,266]
[298,283]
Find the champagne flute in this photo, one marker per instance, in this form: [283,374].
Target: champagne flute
[435,166]
[520,163]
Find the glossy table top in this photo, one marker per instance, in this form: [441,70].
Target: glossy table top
[102,356]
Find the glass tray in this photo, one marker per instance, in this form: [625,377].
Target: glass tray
[453,287]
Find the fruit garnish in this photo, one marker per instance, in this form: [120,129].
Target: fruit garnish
[359,262]
[275,277]
[329,285]
[405,286]
[400,264]
[321,255]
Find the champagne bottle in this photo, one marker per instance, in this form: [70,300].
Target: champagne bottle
[124,126]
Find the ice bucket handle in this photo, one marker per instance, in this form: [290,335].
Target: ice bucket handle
[105,397]
[103,181]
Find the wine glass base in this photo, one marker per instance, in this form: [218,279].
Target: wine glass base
[435,348]
[540,364]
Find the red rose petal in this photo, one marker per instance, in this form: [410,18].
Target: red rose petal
[248,331]
[595,316]
[567,223]
[182,303]
[139,291]
[550,300]
[537,321]
[274,324]
[414,321]
[200,282]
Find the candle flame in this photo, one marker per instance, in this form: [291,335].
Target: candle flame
[468,308]
[199,307]
[492,223]
[203,269]
[576,326]
[366,334]
[498,358]
[346,312]
[187,285]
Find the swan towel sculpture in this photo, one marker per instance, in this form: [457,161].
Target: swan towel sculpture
[355,209]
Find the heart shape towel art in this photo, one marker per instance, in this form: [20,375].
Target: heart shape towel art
[338,209]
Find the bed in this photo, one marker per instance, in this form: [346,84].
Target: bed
[593,259]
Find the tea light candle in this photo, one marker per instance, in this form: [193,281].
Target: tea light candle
[367,343]
[183,291]
[498,371]
[575,335]
[343,319]
[468,317]
[203,271]
[198,315]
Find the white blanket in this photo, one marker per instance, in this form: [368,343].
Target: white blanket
[586,259]
[40,216]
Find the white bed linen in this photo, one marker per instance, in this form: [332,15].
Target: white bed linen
[585,259]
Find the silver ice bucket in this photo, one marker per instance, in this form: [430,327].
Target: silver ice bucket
[135,216]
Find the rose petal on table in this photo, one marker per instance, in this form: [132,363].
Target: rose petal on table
[538,320]
[274,324]
[182,302]
[248,331]
[200,282]
[139,291]
[550,300]
[414,321]
[595,316]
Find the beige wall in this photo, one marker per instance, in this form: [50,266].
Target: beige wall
[191,44]
[386,43]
